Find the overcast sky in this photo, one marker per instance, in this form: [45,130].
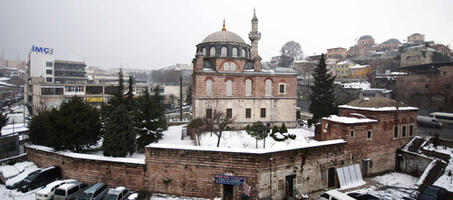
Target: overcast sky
[153,34]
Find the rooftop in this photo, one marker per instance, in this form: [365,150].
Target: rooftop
[377,104]
[223,36]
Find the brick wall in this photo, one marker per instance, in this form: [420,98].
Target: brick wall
[91,171]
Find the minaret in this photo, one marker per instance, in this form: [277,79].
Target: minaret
[254,36]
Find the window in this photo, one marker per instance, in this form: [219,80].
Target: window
[209,113]
[223,52]
[209,87]
[263,112]
[49,64]
[212,52]
[229,113]
[282,88]
[351,133]
[49,71]
[248,113]
[49,79]
[232,66]
[395,132]
[226,66]
[248,87]
[243,53]
[229,88]
[411,130]
[234,52]
[403,131]
[204,51]
[369,135]
[268,87]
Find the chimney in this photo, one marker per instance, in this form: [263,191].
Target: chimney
[257,63]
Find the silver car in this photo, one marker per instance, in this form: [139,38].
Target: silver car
[69,190]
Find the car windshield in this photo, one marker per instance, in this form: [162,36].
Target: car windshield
[32,176]
[430,192]
[110,197]
[84,196]
[60,192]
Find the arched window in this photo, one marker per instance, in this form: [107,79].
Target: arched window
[229,88]
[243,53]
[209,87]
[235,52]
[268,87]
[226,66]
[212,52]
[204,51]
[248,87]
[232,66]
[223,52]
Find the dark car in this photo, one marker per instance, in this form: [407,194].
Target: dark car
[432,193]
[359,196]
[41,178]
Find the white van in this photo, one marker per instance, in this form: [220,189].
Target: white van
[443,117]
[334,195]
[69,190]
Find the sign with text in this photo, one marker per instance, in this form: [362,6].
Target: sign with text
[246,188]
[44,50]
[94,99]
[228,180]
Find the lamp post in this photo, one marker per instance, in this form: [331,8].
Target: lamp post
[270,177]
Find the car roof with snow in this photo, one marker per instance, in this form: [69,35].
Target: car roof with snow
[9,171]
[67,186]
[49,186]
[117,190]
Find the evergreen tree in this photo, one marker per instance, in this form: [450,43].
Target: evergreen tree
[3,121]
[189,94]
[321,96]
[130,94]
[119,134]
[40,127]
[149,129]
[258,131]
[283,129]
[159,109]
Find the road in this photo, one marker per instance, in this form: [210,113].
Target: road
[446,132]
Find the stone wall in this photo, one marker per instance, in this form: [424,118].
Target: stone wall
[91,171]
[412,163]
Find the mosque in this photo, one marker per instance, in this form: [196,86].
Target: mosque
[228,77]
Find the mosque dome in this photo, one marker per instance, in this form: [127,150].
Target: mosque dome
[224,36]
[366,37]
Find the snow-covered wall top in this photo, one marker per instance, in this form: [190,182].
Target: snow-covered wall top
[392,108]
[242,150]
[348,120]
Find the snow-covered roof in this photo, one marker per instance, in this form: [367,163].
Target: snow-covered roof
[348,120]
[389,108]
[357,66]
[14,128]
[88,156]
[344,62]
[245,151]
[9,171]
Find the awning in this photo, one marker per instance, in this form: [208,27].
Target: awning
[350,176]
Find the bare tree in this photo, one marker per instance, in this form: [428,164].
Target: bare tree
[218,123]
[291,49]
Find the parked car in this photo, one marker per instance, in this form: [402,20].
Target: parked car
[133,196]
[119,193]
[359,196]
[334,195]
[7,172]
[47,192]
[432,193]
[428,121]
[69,190]
[14,182]
[42,178]
[95,192]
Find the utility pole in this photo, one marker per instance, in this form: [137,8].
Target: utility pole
[180,98]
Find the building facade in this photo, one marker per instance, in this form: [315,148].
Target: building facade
[337,53]
[228,79]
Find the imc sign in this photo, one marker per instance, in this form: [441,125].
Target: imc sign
[228,180]
[44,50]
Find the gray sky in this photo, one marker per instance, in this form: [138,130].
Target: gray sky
[154,34]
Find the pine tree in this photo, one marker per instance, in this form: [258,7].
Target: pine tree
[321,96]
[40,128]
[3,121]
[119,134]
[130,94]
[148,124]
[258,131]
[283,129]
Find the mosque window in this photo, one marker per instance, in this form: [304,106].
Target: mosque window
[248,87]
[235,52]
[204,51]
[232,66]
[208,87]
[223,52]
[226,66]
[243,53]
[268,87]
[212,51]
[229,88]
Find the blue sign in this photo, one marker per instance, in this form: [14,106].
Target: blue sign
[44,50]
[228,180]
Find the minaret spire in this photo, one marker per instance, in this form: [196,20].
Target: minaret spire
[223,29]
[254,35]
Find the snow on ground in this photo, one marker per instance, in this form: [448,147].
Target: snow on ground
[240,139]
[173,136]
[444,181]
[6,194]
[392,186]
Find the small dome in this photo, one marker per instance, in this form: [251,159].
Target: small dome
[366,37]
[224,36]
[393,40]
[377,102]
